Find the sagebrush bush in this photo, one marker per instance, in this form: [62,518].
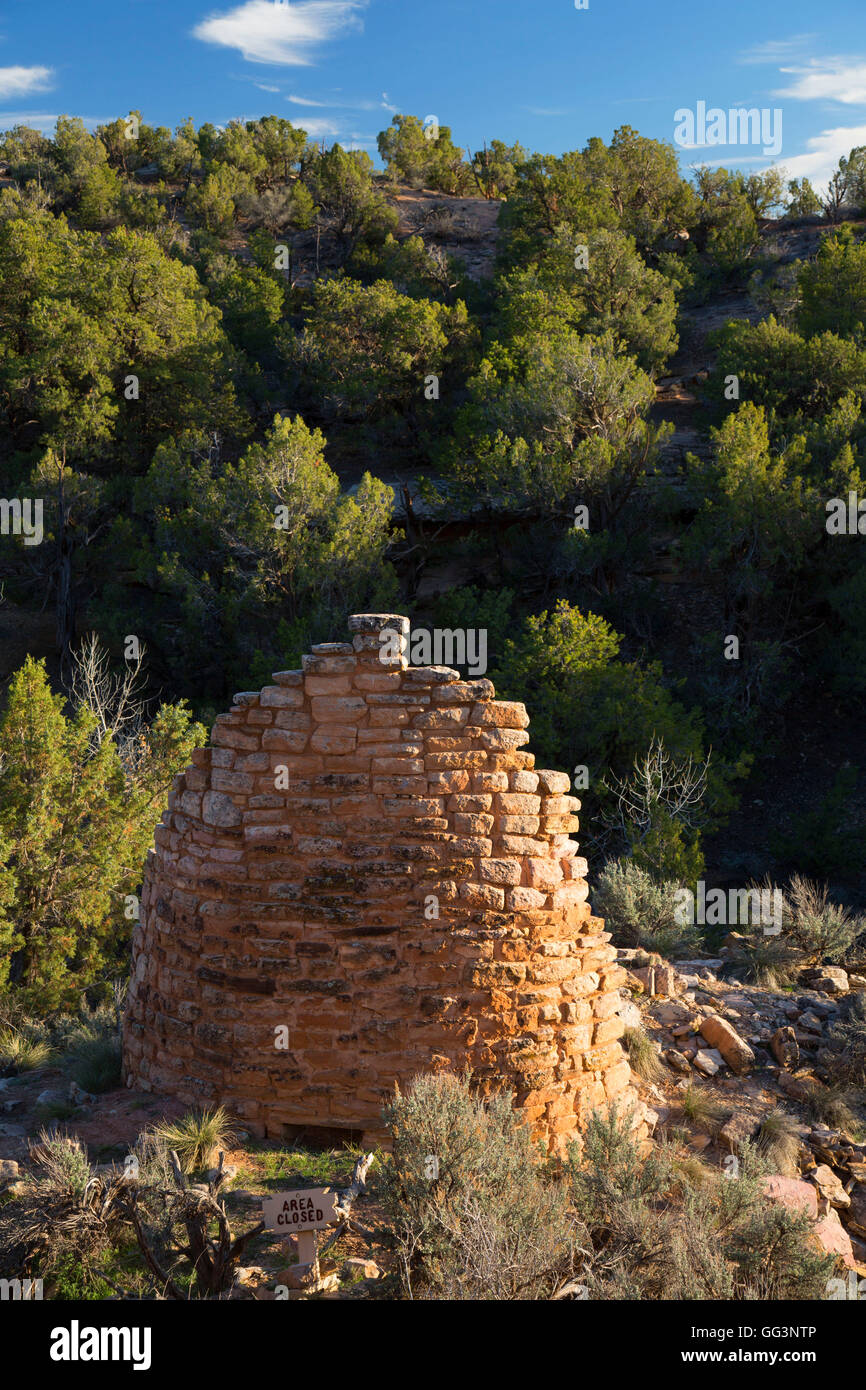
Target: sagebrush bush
[732,1242]
[61,1162]
[640,912]
[720,1239]
[501,1222]
[494,1224]
[824,931]
[605,1167]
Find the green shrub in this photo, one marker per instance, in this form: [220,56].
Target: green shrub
[77,821]
[94,1061]
[824,931]
[424,154]
[494,1224]
[783,371]
[833,287]
[366,349]
[655,1230]
[71,1281]
[640,912]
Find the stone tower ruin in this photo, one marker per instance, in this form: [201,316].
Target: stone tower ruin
[364,877]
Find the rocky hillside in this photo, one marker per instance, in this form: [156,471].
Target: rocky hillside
[732,1063]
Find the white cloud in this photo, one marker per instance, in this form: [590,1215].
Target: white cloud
[340,105]
[730,163]
[818,164]
[272,31]
[824,152]
[776,51]
[318,128]
[8,119]
[19,82]
[828,79]
[46,124]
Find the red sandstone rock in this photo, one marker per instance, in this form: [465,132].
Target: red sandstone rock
[790,1192]
[831,1236]
[719,1034]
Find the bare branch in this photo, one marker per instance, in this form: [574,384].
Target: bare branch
[113,700]
[657,781]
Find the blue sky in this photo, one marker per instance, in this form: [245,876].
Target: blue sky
[541,72]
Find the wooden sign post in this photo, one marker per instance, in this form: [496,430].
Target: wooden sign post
[302,1214]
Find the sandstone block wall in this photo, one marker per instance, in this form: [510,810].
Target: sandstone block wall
[364,877]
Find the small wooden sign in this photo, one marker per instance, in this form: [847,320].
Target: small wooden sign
[302,1214]
[308,1209]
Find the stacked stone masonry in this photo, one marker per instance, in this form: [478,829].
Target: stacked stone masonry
[364,877]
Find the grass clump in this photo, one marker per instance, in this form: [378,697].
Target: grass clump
[701,1110]
[830,1106]
[197,1137]
[91,1045]
[53,1111]
[20,1052]
[330,1167]
[768,961]
[848,1038]
[642,1054]
[94,1061]
[778,1141]
[694,1172]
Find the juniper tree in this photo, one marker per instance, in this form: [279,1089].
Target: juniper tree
[76,820]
